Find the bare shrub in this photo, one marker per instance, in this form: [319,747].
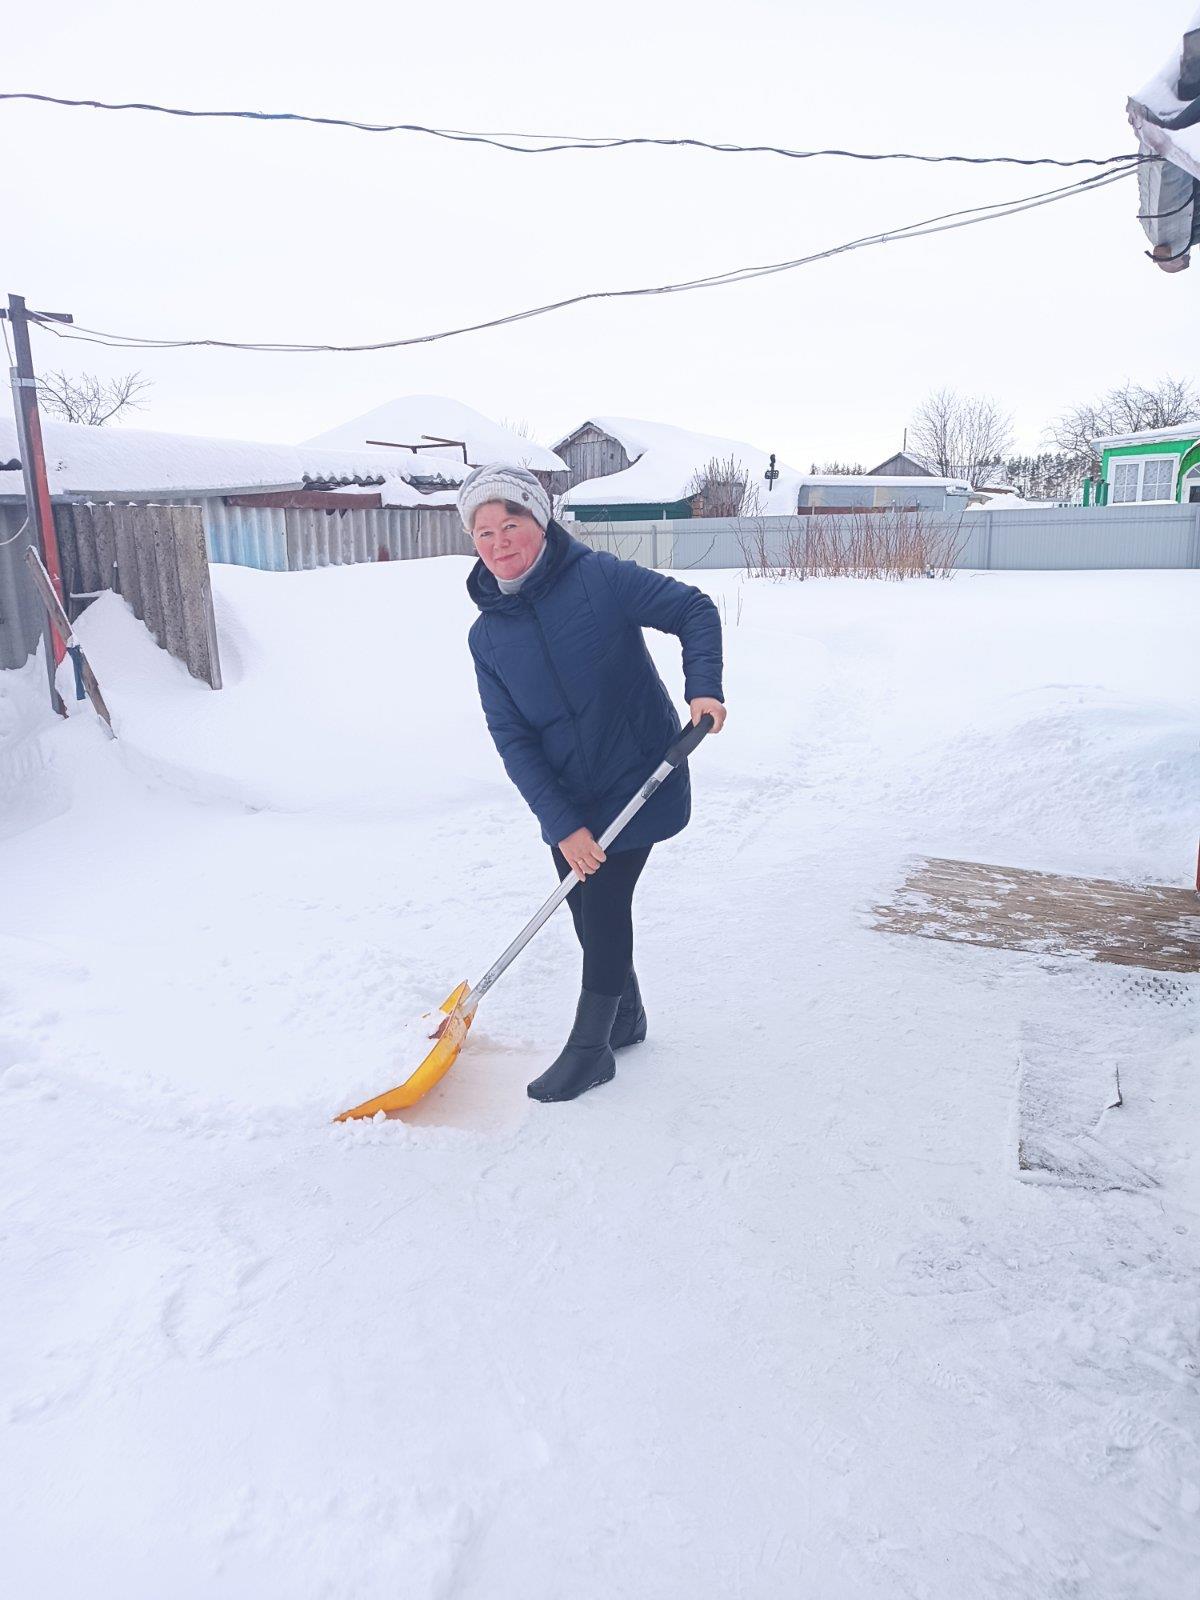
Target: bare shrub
[723,608]
[890,544]
[724,488]
[758,550]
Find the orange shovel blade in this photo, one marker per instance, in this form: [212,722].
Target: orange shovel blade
[434,1067]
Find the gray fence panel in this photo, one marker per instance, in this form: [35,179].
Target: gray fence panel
[1076,538]
[974,541]
[21,611]
[1053,538]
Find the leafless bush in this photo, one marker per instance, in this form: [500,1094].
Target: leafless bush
[724,488]
[759,550]
[723,608]
[890,544]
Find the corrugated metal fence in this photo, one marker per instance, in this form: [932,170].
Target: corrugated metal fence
[1057,538]
[295,539]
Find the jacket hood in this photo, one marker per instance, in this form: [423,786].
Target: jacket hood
[561,552]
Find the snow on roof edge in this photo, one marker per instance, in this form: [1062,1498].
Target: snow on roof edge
[1180,430]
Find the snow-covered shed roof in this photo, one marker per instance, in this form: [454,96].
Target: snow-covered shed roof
[665,460]
[907,480]
[424,419]
[1160,102]
[137,461]
[1181,430]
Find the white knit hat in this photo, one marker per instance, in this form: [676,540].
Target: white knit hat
[503,483]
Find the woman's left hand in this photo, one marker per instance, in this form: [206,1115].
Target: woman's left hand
[704,705]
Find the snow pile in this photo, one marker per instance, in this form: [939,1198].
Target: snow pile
[771,1314]
[666,459]
[422,419]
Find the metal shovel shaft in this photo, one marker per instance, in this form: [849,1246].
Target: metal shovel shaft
[688,739]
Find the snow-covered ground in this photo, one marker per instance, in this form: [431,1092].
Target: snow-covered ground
[770,1316]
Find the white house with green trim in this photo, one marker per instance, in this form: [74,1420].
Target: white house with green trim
[1158,466]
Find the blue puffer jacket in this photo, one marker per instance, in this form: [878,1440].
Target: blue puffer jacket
[572,699]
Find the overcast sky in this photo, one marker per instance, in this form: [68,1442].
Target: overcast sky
[161,227]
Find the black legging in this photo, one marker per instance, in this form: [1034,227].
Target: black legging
[602,910]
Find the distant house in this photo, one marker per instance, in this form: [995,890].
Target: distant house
[1155,466]
[873,491]
[623,469]
[449,436]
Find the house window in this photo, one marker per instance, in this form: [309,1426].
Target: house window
[1158,478]
[1147,478]
[1124,482]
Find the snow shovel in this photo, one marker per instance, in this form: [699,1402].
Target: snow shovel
[461,1004]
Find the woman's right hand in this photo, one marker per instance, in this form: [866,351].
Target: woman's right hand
[583,855]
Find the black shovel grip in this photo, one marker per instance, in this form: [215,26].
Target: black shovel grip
[689,737]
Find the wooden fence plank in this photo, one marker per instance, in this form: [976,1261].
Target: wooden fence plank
[195,587]
[68,559]
[147,564]
[169,594]
[85,545]
[128,576]
[106,550]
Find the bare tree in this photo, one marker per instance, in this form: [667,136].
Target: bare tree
[838,469]
[89,399]
[961,435]
[1128,408]
[523,429]
[724,488]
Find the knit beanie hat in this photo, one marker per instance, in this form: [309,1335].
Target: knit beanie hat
[503,483]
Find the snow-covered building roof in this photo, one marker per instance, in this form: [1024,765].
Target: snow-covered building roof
[136,461]
[1166,112]
[427,421]
[664,461]
[1181,430]
[907,480]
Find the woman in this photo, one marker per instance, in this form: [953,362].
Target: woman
[580,718]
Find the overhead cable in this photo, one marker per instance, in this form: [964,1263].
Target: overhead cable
[942,224]
[540,144]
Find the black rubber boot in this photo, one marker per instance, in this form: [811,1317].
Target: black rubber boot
[630,1026]
[586,1059]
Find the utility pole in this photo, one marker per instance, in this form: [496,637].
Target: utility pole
[38,510]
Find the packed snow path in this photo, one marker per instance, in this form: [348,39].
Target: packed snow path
[771,1315]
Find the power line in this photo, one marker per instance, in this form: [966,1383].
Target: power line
[941,224]
[540,144]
